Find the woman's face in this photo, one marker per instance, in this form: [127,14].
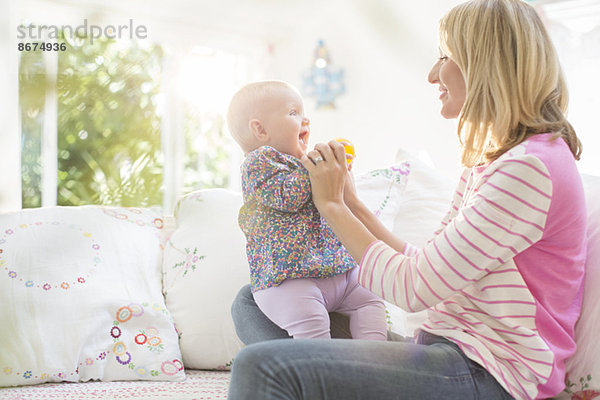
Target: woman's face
[453,90]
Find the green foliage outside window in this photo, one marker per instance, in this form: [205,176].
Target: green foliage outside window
[109,149]
[208,150]
[109,130]
[108,127]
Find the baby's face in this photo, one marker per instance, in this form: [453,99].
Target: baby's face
[283,119]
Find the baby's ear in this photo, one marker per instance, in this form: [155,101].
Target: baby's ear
[258,131]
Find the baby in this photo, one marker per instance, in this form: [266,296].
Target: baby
[299,271]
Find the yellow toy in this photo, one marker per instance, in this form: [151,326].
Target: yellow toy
[348,148]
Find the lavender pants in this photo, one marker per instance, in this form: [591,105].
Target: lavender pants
[301,307]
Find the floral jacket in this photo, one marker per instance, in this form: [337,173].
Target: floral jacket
[286,237]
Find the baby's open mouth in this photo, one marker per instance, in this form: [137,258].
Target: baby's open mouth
[303,138]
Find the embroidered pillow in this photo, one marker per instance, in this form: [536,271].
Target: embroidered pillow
[80,289]
[411,199]
[204,267]
[583,368]
[382,190]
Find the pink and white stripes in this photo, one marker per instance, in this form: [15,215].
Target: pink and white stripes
[470,276]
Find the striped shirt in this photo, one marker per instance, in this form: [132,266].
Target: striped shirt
[502,277]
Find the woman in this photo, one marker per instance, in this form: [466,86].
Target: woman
[502,277]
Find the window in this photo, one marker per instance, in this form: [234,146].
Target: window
[207,80]
[31,96]
[120,123]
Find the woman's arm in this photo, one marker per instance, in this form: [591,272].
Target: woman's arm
[497,224]
[348,228]
[368,219]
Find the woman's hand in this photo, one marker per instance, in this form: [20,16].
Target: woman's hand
[333,194]
[328,169]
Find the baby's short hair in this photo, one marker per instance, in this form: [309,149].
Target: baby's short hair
[241,109]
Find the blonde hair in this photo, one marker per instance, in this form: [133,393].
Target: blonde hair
[515,86]
[243,106]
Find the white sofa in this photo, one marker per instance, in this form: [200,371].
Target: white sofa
[119,300]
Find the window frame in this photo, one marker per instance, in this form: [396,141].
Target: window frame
[172,119]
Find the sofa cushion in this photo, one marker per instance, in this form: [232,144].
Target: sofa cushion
[583,368]
[204,266]
[410,198]
[80,289]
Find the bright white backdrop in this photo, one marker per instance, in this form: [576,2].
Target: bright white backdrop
[386,48]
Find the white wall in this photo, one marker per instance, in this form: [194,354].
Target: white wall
[579,50]
[386,49]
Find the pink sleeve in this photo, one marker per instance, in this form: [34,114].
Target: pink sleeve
[497,223]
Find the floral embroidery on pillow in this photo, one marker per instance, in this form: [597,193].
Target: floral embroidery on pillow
[44,376]
[155,224]
[226,366]
[148,338]
[397,175]
[388,319]
[13,234]
[122,214]
[584,393]
[190,261]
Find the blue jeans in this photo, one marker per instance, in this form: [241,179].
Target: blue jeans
[432,368]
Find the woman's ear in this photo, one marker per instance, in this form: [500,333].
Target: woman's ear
[258,131]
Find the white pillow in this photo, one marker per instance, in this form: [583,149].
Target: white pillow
[411,199]
[204,266]
[80,289]
[425,201]
[583,368]
[382,190]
